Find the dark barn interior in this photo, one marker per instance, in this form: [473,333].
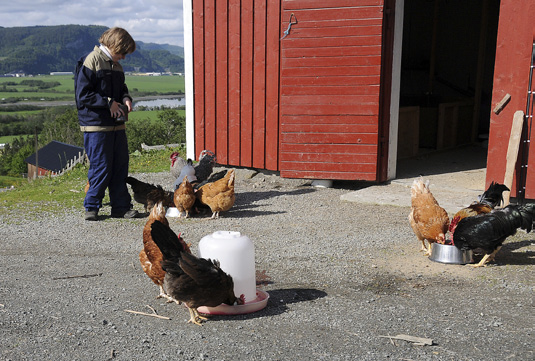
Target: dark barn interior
[447,71]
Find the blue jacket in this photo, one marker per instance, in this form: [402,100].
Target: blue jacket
[97,82]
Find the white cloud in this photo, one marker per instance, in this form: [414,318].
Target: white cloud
[156,21]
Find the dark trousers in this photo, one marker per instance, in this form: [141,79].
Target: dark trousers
[108,168]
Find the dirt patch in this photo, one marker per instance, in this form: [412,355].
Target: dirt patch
[516,258]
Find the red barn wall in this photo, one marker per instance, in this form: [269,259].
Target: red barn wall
[330,89]
[516,34]
[307,105]
[236,72]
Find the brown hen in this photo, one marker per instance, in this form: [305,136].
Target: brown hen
[151,256]
[192,280]
[219,195]
[428,220]
[184,197]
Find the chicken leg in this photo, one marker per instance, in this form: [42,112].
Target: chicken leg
[195,317]
[166,296]
[426,248]
[486,258]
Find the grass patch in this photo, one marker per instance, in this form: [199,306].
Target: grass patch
[9,138]
[155,84]
[6,182]
[67,191]
[153,161]
[21,113]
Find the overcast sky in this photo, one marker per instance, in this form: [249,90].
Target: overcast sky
[151,21]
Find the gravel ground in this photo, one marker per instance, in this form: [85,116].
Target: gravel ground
[340,275]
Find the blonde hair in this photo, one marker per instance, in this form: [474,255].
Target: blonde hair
[118,41]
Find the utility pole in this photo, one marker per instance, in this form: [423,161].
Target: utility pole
[36,155]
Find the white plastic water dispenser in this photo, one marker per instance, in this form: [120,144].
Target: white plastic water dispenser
[235,253]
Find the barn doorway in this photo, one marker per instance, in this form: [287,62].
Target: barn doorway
[447,68]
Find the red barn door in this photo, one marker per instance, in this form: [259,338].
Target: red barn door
[330,89]
[514,50]
[235,80]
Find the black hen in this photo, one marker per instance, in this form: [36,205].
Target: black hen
[150,194]
[205,167]
[189,279]
[211,179]
[486,202]
[485,233]
[493,196]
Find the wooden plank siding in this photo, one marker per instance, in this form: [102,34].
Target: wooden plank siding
[236,86]
[516,35]
[330,83]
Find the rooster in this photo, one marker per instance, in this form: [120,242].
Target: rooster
[184,197]
[148,194]
[219,195]
[489,200]
[187,170]
[151,256]
[428,220]
[192,280]
[485,233]
[176,164]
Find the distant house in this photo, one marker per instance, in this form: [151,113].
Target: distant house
[62,73]
[16,74]
[54,158]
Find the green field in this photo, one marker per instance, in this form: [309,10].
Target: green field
[9,138]
[138,85]
[155,84]
[13,89]
[149,114]
[16,90]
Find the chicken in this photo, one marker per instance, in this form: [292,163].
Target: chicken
[148,194]
[194,281]
[485,233]
[151,256]
[187,170]
[205,167]
[184,197]
[428,220]
[176,164]
[213,177]
[491,198]
[219,195]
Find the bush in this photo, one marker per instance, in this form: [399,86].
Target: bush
[169,128]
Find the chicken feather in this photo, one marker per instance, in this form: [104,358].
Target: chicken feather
[150,256]
[485,233]
[189,279]
[428,220]
[219,195]
[486,202]
[184,197]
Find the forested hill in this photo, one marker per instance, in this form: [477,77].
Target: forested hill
[45,49]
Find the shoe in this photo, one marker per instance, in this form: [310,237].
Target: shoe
[91,215]
[131,213]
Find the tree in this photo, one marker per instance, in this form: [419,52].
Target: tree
[169,128]
[62,126]
[175,125]
[12,160]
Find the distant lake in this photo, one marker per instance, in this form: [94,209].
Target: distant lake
[156,103]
